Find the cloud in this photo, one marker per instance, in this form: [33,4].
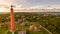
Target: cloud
[44,7]
[5,1]
[38,7]
[25,3]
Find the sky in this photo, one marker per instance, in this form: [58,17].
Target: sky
[29,3]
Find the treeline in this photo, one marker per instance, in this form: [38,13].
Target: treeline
[49,21]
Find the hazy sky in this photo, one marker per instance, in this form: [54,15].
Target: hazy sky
[30,3]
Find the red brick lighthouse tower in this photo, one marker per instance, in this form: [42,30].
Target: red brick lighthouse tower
[12,24]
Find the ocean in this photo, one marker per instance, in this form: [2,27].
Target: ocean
[49,12]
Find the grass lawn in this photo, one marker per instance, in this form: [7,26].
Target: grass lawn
[3,30]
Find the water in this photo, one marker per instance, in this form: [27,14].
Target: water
[49,12]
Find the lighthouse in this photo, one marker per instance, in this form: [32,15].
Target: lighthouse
[12,22]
